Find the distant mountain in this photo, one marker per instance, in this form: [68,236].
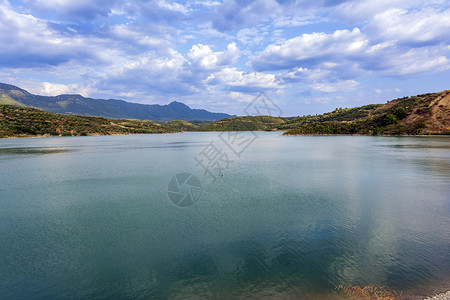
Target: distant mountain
[77,104]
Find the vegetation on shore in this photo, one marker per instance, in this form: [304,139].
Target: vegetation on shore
[422,114]
[180,125]
[18,121]
[417,115]
[369,292]
[249,123]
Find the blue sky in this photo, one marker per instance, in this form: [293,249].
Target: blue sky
[309,56]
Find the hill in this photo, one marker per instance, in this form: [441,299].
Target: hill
[417,115]
[181,125]
[422,114]
[249,123]
[17,121]
[79,105]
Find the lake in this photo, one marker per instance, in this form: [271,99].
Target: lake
[281,218]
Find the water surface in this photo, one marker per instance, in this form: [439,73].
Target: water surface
[291,218]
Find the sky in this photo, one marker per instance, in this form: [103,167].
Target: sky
[308,56]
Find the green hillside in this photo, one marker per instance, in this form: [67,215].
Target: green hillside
[181,125]
[422,114]
[16,121]
[249,123]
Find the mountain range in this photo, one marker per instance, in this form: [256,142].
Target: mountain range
[426,114]
[79,105]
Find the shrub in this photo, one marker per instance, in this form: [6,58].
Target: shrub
[370,292]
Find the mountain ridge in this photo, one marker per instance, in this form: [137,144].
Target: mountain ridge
[75,104]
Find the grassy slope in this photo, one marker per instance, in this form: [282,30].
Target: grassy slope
[7,100]
[422,114]
[256,123]
[16,121]
[181,125]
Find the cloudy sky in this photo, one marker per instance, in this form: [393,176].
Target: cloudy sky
[309,56]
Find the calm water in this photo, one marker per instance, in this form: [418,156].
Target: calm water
[292,217]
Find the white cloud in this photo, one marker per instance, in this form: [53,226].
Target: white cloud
[174,6]
[308,47]
[54,89]
[364,10]
[242,97]
[161,49]
[29,42]
[416,28]
[240,81]
[339,86]
[202,57]
[415,61]
[294,21]
[251,36]
[135,36]
[320,55]
[322,99]
[80,9]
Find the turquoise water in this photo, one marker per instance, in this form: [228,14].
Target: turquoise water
[290,218]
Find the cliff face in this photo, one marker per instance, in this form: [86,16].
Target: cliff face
[439,119]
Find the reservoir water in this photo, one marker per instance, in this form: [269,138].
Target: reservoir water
[286,217]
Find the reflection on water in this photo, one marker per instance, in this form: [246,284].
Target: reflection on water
[292,218]
[32,150]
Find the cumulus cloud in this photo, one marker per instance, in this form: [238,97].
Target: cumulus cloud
[222,50]
[381,53]
[74,10]
[204,59]
[30,42]
[172,73]
[363,10]
[330,87]
[233,14]
[310,49]
[90,10]
[134,38]
[54,89]
[325,78]
[414,61]
[240,81]
[414,29]
[159,74]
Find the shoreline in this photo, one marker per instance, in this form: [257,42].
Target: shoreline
[68,136]
[433,291]
[436,295]
[289,135]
